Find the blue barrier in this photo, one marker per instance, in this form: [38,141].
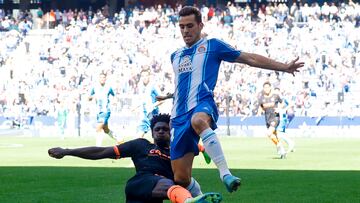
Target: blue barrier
[296,122]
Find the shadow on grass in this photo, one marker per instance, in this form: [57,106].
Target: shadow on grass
[81,184]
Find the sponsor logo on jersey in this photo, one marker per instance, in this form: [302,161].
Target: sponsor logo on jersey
[185,65]
[156,152]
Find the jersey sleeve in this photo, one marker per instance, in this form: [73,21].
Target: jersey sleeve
[224,51]
[130,149]
[172,57]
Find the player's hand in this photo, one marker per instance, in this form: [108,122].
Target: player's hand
[57,152]
[294,66]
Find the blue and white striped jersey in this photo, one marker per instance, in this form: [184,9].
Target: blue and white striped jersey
[196,71]
[101,94]
[148,98]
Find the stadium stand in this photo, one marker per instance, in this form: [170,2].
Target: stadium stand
[47,57]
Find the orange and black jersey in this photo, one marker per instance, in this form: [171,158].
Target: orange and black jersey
[147,157]
[269,103]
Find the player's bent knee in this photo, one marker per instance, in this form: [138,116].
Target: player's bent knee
[200,122]
[197,122]
[269,133]
[165,183]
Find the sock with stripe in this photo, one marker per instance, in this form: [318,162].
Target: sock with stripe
[194,188]
[213,148]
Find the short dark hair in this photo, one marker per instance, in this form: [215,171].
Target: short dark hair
[159,118]
[191,10]
[267,83]
[103,73]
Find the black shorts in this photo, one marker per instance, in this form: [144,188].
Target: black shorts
[272,121]
[139,189]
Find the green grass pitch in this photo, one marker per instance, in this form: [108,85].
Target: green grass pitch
[321,170]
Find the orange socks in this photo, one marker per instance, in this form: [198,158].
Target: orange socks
[178,194]
[274,139]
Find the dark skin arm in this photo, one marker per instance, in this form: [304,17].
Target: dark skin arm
[92,153]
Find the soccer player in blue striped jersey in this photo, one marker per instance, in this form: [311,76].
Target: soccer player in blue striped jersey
[101,92]
[149,106]
[194,113]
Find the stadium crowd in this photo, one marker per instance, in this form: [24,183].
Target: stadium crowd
[41,68]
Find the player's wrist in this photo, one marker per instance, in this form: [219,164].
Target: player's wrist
[66,152]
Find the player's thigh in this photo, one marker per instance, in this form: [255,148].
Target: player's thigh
[272,123]
[106,118]
[183,138]
[161,188]
[182,169]
[99,127]
[140,188]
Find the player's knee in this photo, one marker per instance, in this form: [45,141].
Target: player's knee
[165,183]
[270,133]
[199,123]
[161,188]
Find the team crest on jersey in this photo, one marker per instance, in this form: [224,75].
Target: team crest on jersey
[201,49]
[185,65]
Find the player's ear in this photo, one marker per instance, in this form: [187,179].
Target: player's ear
[201,25]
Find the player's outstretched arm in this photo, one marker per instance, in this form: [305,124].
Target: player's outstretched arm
[259,61]
[92,153]
[162,98]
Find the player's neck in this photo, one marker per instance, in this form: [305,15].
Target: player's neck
[195,42]
[162,144]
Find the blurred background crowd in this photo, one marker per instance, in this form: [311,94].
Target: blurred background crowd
[48,59]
